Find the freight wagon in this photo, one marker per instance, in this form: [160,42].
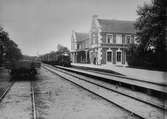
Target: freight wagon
[25,68]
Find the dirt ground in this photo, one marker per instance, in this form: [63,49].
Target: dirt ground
[17,103]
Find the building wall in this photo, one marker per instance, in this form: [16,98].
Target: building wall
[73,42]
[79,49]
[114,51]
[93,38]
[95,53]
[104,37]
[114,46]
[114,56]
[93,56]
[98,46]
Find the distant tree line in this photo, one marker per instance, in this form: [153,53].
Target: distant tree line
[151,48]
[9,51]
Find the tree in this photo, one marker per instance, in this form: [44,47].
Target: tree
[13,53]
[151,26]
[9,50]
[3,36]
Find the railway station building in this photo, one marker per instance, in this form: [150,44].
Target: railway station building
[80,47]
[106,42]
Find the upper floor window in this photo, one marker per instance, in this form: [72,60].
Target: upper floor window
[109,38]
[118,38]
[128,39]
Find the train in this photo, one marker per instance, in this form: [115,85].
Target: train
[57,58]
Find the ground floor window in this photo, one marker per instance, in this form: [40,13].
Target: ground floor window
[109,56]
[119,56]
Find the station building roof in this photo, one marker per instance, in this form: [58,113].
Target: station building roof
[81,36]
[117,26]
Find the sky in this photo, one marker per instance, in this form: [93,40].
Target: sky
[37,26]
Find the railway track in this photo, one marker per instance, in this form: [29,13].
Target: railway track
[159,102]
[156,89]
[4,91]
[156,102]
[115,74]
[17,101]
[34,112]
[143,108]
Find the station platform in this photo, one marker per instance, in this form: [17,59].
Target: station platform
[157,77]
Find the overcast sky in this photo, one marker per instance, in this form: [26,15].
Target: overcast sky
[37,26]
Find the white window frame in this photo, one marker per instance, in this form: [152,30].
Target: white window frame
[117,39]
[116,56]
[109,50]
[127,39]
[111,41]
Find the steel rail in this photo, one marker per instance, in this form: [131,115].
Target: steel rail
[132,113]
[157,106]
[33,102]
[116,75]
[137,83]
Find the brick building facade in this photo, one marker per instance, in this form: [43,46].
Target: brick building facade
[107,41]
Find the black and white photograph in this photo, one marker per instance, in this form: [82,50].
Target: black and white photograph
[83,59]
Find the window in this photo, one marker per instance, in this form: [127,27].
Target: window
[109,56]
[118,38]
[118,56]
[109,38]
[94,38]
[128,39]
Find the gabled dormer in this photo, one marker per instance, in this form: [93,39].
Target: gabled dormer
[73,41]
[95,32]
[117,31]
[79,41]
